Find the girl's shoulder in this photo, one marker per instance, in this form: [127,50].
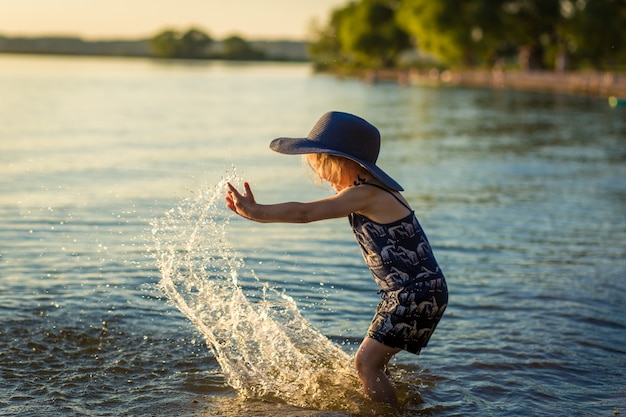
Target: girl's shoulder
[384,205]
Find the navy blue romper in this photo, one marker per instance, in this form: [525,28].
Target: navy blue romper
[413,291]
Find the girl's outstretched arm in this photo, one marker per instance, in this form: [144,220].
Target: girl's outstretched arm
[340,205]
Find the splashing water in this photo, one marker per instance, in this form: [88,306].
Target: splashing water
[266,349]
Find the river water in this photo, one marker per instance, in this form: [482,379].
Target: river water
[126,287]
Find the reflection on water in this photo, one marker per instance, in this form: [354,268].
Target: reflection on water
[521,194]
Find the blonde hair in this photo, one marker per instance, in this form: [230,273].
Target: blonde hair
[331,168]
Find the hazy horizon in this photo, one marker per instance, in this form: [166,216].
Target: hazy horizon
[117,19]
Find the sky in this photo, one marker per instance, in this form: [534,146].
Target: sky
[132,19]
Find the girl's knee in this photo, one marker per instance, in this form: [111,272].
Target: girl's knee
[367,363]
[372,357]
[359,362]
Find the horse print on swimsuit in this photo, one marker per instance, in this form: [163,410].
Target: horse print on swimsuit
[413,287]
[406,318]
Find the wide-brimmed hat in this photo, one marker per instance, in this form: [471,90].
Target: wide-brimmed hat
[342,134]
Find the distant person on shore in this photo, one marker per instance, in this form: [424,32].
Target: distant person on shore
[342,149]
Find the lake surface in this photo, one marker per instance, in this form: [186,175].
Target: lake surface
[110,165]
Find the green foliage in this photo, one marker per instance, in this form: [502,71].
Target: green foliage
[534,29]
[235,47]
[325,49]
[475,32]
[195,44]
[363,35]
[435,27]
[371,36]
[468,33]
[595,35]
[192,44]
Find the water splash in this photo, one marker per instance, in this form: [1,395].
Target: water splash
[265,347]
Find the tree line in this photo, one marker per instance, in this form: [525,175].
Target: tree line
[524,34]
[197,44]
[187,44]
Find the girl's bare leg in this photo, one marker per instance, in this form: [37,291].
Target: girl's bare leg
[371,362]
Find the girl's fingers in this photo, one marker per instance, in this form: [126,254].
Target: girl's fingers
[235,200]
[233,189]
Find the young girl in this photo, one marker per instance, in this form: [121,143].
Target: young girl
[342,149]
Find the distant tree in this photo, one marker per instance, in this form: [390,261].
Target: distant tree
[426,21]
[235,47]
[371,35]
[465,33]
[194,44]
[533,25]
[165,44]
[551,32]
[325,47]
[174,44]
[361,34]
[595,34]
[534,34]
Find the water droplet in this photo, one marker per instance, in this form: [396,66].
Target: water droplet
[264,345]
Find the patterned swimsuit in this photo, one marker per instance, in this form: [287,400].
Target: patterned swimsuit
[413,291]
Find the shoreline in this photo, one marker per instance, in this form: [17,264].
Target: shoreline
[590,83]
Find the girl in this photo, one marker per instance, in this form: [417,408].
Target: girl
[342,149]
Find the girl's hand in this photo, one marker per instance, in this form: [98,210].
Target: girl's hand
[242,204]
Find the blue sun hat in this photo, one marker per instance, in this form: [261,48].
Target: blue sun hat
[342,134]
